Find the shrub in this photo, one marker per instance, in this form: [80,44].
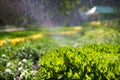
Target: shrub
[91,62]
[100,36]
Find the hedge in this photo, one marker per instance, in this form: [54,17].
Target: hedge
[90,62]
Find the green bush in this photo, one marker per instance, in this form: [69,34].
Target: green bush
[89,62]
[100,36]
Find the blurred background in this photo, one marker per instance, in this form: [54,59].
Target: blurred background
[26,13]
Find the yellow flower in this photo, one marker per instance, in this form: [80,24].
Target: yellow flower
[96,23]
[77,28]
[2,42]
[67,32]
[17,40]
[22,39]
[36,36]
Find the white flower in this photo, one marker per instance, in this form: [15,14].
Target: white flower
[24,60]
[3,56]
[22,75]
[30,55]
[8,65]
[20,68]
[33,72]
[8,71]
[20,63]
[26,71]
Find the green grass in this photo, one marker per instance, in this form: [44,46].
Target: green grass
[23,33]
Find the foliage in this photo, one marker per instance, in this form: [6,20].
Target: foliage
[88,62]
[99,35]
[62,63]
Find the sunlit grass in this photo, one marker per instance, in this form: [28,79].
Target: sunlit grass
[23,33]
[38,35]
